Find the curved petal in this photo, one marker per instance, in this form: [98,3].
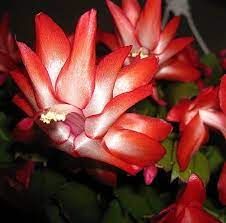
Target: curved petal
[76,80]
[221,185]
[178,71]
[133,147]
[92,149]
[97,125]
[106,75]
[149,24]
[191,139]
[22,103]
[132,10]
[125,28]
[154,128]
[25,86]
[109,39]
[52,45]
[167,34]
[140,72]
[43,89]
[150,173]
[174,47]
[222,93]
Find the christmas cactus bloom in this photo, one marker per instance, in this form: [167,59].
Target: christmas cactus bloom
[194,116]
[81,106]
[141,28]
[9,57]
[188,206]
[221,185]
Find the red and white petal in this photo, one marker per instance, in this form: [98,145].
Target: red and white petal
[75,82]
[132,10]
[192,138]
[178,71]
[140,72]
[174,47]
[52,45]
[97,125]
[41,82]
[154,128]
[106,74]
[221,185]
[167,34]
[133,147]
[124,26]
[222,93]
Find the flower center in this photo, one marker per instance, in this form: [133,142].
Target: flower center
[52,116]
[141,52]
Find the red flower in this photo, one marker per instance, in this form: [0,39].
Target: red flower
[141,28]
[81,105]
[188,207]
[221,186]
[9,56]
[193,117]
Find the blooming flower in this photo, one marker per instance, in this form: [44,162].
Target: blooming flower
[141,28]
[194,116]
[188,206]
[80,105]
[9,56]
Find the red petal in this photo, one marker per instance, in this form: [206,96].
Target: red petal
[97,125]
[178,71]
[174,47]
[191,139]
[75,81]
[214,119]
[138,73]
[221,185]
[4,30]
[133,147]
[52,45]
[222,93]
[125,28]
[25,86]
[106,75]
[155,128]
[132,10]
[194,193]
[177,113]
[150,173]
[167,34]
[22,103]
[92,149]
[43,89]
[149,24]
[108,39]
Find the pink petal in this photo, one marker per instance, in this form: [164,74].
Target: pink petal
[133,147]
[76,80]
[149,24]
[108,39]
[150,173]
[154,128]
[174,47]
[221,185]
[222,94]
[124,26]
[97,125]
[191,139]
[25,124]
[132,10]
[178,71]
[167,34]
[52,45]
[106,75]
[140,72]
[92,149]
[43,89]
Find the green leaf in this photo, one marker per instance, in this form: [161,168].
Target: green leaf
[4,135]
[177,91]
[6,159]
[78,203]
[139,202]
[115,214]
[145,107]
[3,119]
[53,214]
[198,165]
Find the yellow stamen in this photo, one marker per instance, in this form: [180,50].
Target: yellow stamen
[52,116]
[142,52]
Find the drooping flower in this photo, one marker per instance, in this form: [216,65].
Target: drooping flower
[194,116]
[80,105]
[141,28]
[221,185]
[9,56]
[188,206]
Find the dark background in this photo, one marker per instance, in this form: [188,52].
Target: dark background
[209,16]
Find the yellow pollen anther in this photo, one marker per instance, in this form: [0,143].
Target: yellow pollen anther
[142,52]
[52,116]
